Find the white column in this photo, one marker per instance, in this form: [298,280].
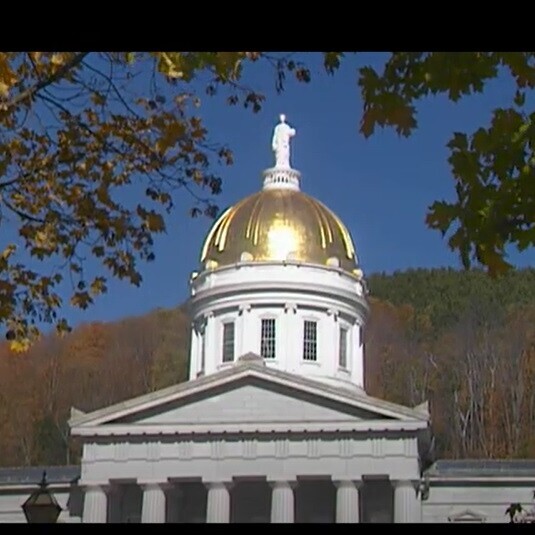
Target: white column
[356,355]
[290,348]
[347,502]
[407,506]
[95,505]
[218,503]
[282,502]
[243,332]
[194,353]
[211,350]
[153,507]
[334,345]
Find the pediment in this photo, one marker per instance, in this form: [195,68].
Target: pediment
[249,401]
[249,396]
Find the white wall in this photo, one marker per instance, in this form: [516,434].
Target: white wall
[484,501]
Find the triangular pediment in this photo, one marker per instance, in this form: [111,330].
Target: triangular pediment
[249,396]
[250,400]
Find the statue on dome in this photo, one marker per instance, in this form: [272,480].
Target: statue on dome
[281,143]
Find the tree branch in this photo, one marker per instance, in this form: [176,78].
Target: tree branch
[31,91]
[10,182]
[21,214]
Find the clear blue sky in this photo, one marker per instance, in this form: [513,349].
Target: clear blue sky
[380,187]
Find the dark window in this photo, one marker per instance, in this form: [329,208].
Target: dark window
[376,502]
[228,342]
[203,351]
[310,351]
[342,350]
[267,344]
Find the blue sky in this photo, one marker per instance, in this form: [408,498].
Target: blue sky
[380,187]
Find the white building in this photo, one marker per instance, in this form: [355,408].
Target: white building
[274,424]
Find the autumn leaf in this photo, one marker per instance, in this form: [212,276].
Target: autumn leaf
[7,76]
[57,58]
[20,346]
[171,133]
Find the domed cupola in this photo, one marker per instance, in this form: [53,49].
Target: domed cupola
[279,277]
[279,224]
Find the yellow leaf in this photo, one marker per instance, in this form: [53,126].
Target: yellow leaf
[8,251]
[170,135]
[98,286]
[7,77]
[20,346]
[57,58]
[155,222]
[4,89]
[171,66]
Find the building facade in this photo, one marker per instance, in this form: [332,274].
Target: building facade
[274,424]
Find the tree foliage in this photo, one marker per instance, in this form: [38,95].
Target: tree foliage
[95,365]
[464,342]
[78,131]
[493,167]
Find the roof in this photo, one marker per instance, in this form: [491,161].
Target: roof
[279,225]
[249,369]
[482,468]
[32,475]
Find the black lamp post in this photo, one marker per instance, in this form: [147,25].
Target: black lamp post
[41,507]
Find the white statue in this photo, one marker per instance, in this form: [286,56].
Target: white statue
[281,143]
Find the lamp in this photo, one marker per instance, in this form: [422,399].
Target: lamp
[41,507]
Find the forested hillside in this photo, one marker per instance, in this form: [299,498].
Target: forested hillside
[459,339]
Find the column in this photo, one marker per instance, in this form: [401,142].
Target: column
[211,349]
[95,505]
[334,345]
[407,506]
[153,507]
[356,354]
[290,348]
[218,503]
[282,502]
[243,330]
[347,501]
[194,365]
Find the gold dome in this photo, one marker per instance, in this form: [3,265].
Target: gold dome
[279,225]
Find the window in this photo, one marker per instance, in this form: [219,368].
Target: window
[267,339]
[342,349]
[203,351]
[310,341]
[228,341]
